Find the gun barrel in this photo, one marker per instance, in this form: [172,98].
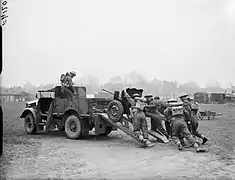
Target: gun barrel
[108,91]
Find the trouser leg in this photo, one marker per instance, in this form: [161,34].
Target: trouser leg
[186,134]
[69,91]
[168,128]
[195,125]
[153,124]
[144,127]
[158,122]
[180,130]
[136,124]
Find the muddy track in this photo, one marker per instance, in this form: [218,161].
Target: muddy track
[116,156]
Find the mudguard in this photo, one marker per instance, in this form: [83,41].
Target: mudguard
[26,111]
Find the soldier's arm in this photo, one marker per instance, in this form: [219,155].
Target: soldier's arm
[167,113]
[69,80]
[187,107]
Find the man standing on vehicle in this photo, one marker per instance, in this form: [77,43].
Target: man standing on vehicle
[66,86]
[156,117]
[139,120]
[67,83]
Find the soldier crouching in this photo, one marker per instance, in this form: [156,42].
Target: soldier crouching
[179,127]
[191,118]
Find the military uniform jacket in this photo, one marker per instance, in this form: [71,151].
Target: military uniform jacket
[67,82]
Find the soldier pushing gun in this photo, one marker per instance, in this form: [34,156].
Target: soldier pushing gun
[175,113]
[139,120]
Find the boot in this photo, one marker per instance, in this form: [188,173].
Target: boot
[204,140]
[182,143]
[180,147]
[148,143]
[198,149]
[141,137]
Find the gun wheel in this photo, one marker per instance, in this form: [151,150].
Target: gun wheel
[115,110]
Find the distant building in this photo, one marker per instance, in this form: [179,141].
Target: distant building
[11,97]
[202,97]
[217,98]
[14,97]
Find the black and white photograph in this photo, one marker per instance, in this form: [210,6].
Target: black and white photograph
[118,90]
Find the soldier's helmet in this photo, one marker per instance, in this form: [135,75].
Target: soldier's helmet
[148,96]
[135,95]
[172,100]
[190,98]
[183,95]
[73,73]
[156,97]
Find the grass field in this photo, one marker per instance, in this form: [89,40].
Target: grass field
[116,156]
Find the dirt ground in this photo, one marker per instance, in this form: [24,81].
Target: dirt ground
[116,156]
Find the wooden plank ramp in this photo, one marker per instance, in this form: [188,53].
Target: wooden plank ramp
[122,128]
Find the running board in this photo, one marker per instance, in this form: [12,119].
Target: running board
[122,128]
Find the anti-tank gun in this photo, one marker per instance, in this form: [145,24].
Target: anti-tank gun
[118,110]
[122,102]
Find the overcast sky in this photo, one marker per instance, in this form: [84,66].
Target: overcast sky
[178,40]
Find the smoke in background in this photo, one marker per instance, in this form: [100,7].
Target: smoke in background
[133,79]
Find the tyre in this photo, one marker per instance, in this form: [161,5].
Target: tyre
[115,110]
[108,130]
[73,127]
[30,124]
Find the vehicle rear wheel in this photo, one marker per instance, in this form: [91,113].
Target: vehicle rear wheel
[108,130]
[30,124]
[115,110]
[73,127]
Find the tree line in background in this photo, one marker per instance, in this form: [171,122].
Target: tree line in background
[134,79]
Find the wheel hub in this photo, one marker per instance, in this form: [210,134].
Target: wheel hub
[73,127]
[114,110]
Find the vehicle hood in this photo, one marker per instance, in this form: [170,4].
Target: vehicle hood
[33,101]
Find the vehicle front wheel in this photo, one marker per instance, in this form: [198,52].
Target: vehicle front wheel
[73,127]
[29,124]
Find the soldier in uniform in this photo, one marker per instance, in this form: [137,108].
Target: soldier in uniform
[66,86]
[139,120]
[187,110]
[179,127]
[194,122]
[161,106]
[156,117]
